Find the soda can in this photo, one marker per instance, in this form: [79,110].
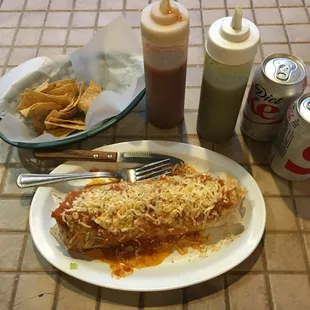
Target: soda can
[277,82]
[290,152]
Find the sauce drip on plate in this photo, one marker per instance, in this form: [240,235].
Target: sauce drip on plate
[140,254]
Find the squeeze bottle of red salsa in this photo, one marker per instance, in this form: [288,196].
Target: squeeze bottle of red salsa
[230,50]
[165,32]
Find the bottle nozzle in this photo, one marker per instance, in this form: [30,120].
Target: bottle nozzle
[236,21]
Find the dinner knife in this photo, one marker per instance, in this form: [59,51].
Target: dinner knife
[111,157]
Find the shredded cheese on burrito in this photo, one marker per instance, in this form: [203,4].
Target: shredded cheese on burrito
[121,207]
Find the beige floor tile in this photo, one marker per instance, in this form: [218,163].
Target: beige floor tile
[167,300]
[12,5]
[6,289]
[2,171]
[195,55]
[234,3]
[84,19]
[75,294]
[284,252]
[14,213]
[58,19]
[210,16]
[137,32]
[267,16]
[290,292]
[291,3]
[306,238]
[208,295]
[195,18]
[33,260]
[80,36]
[3,53]
[21,54]
[294,15]
[37,5]
[195,36]
[235,149]
[10,186]
[298,33]
[106,17]
[61,5]
[50,51]
[194,76]
[119,300]
[281,214]
[9,19]
[212,4]
[190,123]
[272,34]
[302,51]
[258,151]
[136,4]
[303,211]
[264,3]
[192,96]
[86,5]
[270,49]
[195,140]
[10,250]
[269,183]
[28,37]
[190,4]
[54,37]
[301,188]
[6,36]
[35,292]
[111,4]
[132,125]
[243,290]
[33,19]
[254,262]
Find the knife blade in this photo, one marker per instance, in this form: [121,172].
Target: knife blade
[112,157]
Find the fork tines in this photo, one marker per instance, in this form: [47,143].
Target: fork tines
[154,170]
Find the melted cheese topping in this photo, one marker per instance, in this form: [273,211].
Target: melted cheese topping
[121,207]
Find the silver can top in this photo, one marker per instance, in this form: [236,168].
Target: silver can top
[304,107]
[284,69]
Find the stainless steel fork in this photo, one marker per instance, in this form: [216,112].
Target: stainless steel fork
[146,172]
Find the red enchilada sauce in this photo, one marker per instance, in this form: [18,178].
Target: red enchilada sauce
[140,254]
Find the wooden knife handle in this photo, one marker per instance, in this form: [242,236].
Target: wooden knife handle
[78,155]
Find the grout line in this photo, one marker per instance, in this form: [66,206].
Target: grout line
[226,292]
[69,28]
[284,26]
[56,295]
[96,17]
[98,298]
[21,258]
[42,30]
[8,56]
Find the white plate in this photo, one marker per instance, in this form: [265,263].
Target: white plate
[183,272]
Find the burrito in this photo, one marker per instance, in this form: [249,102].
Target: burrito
[110,215]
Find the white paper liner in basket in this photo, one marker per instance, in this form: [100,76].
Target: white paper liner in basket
[112,58]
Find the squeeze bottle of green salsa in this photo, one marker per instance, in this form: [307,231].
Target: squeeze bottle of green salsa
[230,51]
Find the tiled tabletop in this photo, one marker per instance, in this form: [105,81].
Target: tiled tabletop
[276,276]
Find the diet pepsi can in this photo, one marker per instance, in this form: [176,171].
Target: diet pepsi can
[290,152]
[277,82]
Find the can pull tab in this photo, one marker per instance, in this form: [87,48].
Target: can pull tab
[284,70]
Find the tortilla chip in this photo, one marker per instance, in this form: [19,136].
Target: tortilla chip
[30,97]
[70,90]
[75,123]
[60,132]
[89,96]
[60,83]
[39,111]
[42,87]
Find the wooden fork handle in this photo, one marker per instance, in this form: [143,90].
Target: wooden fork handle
[83,155]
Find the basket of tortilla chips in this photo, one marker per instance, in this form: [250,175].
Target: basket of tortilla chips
[53,101]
